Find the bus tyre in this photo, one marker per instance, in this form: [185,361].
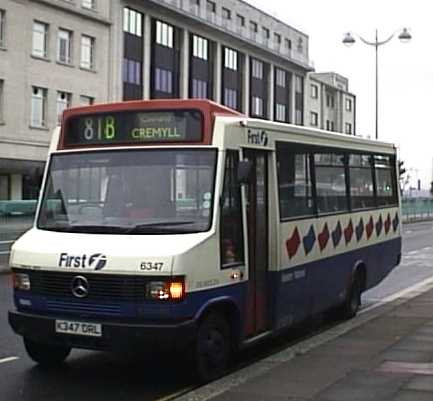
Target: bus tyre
[46,355]
[353,301]
[212,348]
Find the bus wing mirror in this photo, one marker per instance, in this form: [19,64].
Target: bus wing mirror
[244,171]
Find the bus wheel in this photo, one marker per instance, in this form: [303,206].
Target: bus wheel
[353,301]
[212,348]
[46,355]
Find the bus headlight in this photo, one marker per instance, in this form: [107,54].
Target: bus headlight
[21,281]
[166,290]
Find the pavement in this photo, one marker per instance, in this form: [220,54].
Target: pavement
[383,354]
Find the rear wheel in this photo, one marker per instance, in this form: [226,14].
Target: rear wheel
[353,301]
[213,347]
[45,354]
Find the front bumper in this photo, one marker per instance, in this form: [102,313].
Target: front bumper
[115,336]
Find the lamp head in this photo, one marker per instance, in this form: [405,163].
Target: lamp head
[348,39]
[405,36]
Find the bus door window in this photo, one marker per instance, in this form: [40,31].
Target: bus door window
[232,248]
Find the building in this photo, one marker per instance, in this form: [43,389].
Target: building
[73,52]
[329,103]
[52,56]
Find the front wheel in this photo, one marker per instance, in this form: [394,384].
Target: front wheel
[212,348]
[46,355]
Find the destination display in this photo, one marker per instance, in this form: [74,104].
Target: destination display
[134,127]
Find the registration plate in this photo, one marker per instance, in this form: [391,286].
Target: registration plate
[79,328]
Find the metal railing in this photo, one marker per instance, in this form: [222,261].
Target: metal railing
[413,209]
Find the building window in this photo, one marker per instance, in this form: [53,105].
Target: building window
[210,6]
[348,104]
[226,13]
[132,22]
[314,91]
[314,119]
[300,46]
[288,45]
[40,39]
[230,59]
[280,78]
[256,106]
[240,19]
[1,101]
[64,46]
[87,52]
[230,98]
[330,101]
[348,128]
[88,4]
[38,107]
[200,47]
[131,71]
[2,28]
[330,125]
[199,89]
[63,102]
[280,112]
[256,69]
[86,100]
[253,27]
[164,34]
[277,38]
[266,34]
[299,100]
[163,80]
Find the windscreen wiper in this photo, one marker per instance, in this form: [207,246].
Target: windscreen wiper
[161,227]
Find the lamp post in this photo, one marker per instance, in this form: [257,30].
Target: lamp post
[349,40]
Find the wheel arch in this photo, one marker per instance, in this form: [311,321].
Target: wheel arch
[360,268]
[227,307]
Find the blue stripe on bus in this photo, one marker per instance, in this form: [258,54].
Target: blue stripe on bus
[294,292]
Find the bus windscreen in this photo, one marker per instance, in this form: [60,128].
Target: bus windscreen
[133,127]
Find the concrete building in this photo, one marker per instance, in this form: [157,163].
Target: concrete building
[60,53]
[53,55]
[329,103]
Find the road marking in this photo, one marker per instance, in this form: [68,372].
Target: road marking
[416,288]
[5,253]
[9,359]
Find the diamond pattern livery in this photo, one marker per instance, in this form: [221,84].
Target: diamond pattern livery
[292,244]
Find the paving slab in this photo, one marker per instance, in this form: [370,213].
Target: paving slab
[420,383]
[365,386]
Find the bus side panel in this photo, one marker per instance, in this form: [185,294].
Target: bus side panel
[319,285]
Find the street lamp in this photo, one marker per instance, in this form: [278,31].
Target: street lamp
[349,40]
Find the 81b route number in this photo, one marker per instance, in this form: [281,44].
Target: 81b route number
[148,266]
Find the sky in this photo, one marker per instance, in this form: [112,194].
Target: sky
[405,69]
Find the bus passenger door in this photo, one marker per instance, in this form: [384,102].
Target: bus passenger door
[257,318]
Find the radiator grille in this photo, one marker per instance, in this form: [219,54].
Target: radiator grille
[101,287]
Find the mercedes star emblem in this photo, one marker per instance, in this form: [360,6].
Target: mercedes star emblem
[80,287]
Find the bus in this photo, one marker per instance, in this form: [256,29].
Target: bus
[187,225]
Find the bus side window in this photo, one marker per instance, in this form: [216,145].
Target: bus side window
[231,230]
